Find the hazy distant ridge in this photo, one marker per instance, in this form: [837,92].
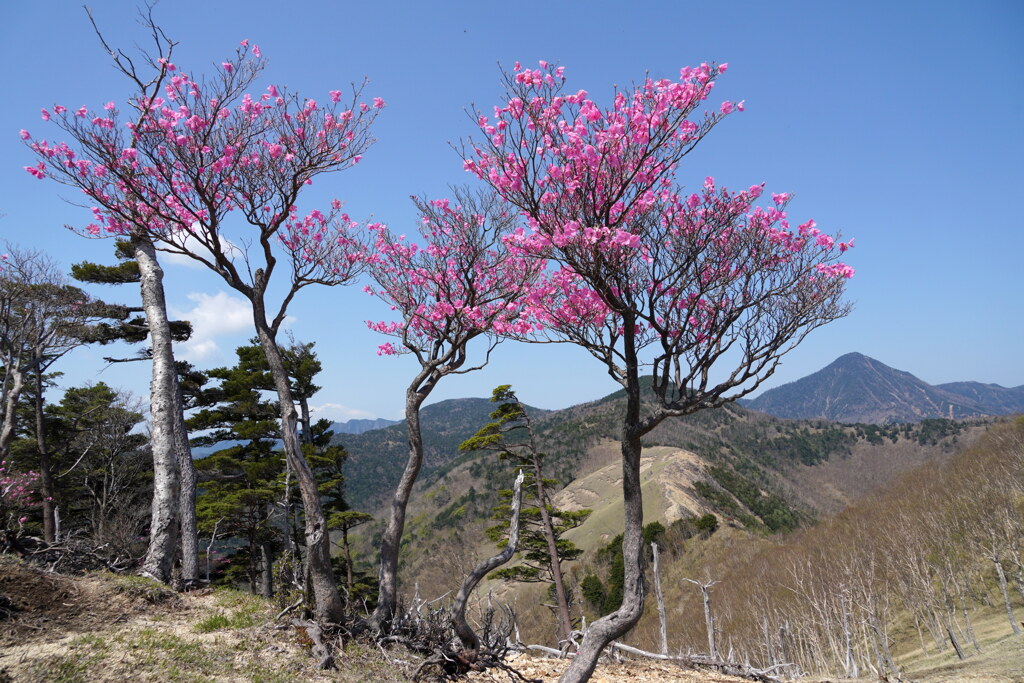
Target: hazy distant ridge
[358,426]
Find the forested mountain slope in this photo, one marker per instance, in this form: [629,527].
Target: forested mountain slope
[751,470]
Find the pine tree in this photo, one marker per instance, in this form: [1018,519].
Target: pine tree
[542,546]
[240,483]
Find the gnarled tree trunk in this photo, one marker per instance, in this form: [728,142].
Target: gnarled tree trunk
[17,383]
[387,600]
[614,625]
[318,553]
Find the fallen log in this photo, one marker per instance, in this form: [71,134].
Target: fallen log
[692,661]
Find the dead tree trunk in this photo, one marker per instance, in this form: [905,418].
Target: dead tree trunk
[467,636]
[955,642]
[662,626]
[709,620]
[850,663]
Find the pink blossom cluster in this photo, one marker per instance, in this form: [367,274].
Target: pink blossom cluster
[460,282]
[18,492]
[598,193]
[193,152]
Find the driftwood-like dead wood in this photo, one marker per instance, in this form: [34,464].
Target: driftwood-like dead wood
[467,651]
[691,661]
[468,637]
[320,648]
[75,557]
[705,662]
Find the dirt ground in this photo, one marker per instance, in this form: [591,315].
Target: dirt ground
[102,627]
[642,672]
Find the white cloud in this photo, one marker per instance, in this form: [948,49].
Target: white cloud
[212,316]
[339,413]
[192,244]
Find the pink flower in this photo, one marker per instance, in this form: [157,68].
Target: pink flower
[357,158]
[81,112]
[256,51]
[228,67]
[45,114]
[378,103]
[335,96]
[24,134]
[38,171]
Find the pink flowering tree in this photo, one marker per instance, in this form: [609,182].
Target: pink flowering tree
[18,495]
[705,289]
[459,283]
[202,168]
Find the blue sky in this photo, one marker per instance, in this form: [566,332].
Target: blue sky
[895,123]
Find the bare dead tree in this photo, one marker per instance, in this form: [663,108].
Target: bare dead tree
[662,625]
[709,620]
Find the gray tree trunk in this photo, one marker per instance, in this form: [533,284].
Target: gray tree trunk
[46,488]
[662,620]
[17,379]
[467,636]
[1006,595]
[611,626]
[387,599]
[329,606]
[564,618]
[267,577]
[163,392]
[187,497]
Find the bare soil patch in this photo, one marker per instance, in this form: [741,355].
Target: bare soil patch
[40,605]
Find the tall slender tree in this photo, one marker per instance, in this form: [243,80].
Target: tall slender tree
[199,152]
[460,284]
[101,162]
[705,288]
[129,327]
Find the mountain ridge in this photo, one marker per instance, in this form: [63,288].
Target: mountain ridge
[855,388]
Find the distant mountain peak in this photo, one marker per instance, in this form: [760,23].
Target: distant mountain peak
[858,388]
